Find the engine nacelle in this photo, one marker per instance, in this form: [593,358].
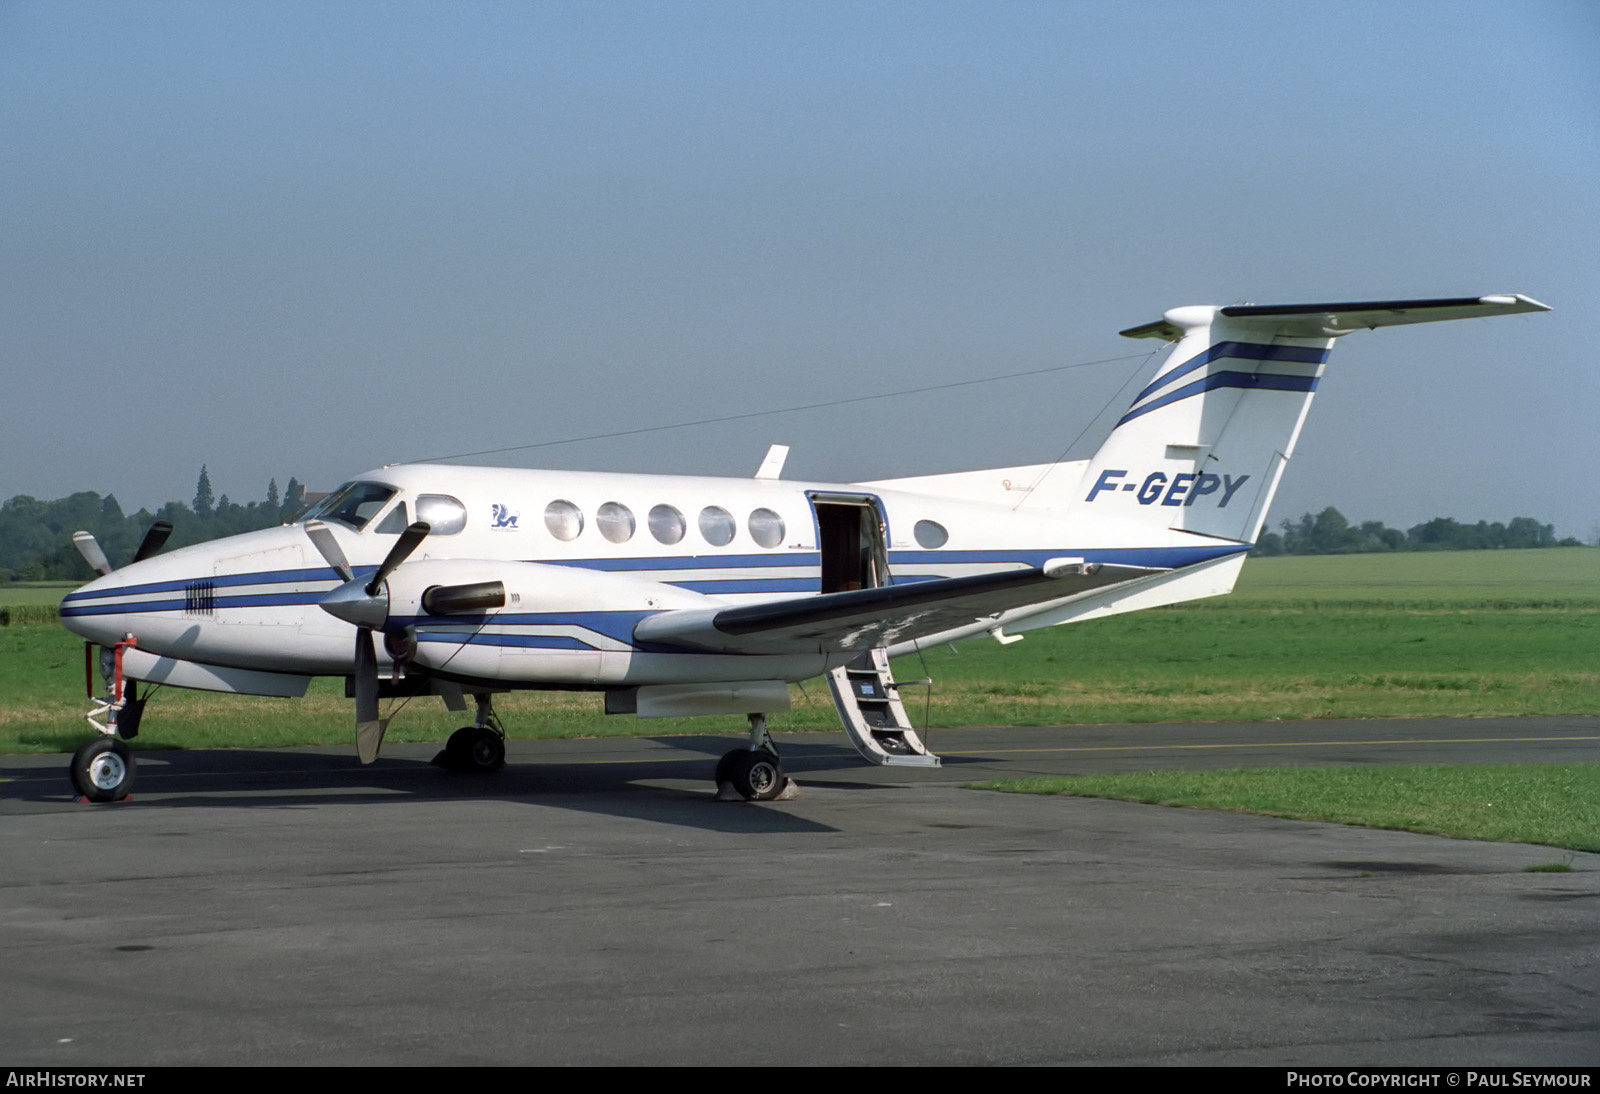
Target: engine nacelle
[557,623]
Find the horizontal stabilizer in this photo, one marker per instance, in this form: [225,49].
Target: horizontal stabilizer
[864,619]
[1332,320]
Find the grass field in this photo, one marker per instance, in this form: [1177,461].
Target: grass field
[1452,633]
[1557,577]
[1551,804]
[34,593]
[31,602]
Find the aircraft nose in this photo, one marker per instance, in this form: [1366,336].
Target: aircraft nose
[99,610]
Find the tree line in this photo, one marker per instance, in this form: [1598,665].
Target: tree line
[36,536]
[1329,533]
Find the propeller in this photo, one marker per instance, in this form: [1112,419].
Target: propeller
[154,540]
[89,547]
[409,541]
[369,727]
[365,604]
[328,548]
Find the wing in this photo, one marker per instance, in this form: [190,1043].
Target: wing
[865,619]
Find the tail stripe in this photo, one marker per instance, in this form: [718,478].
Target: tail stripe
[1268,381]
[1248,351]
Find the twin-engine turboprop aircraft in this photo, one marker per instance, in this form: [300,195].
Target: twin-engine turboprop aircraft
[678,595]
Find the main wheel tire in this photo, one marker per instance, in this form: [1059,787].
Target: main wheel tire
[476,750]
[756,774]
[457,744]
[725,765]
[102,770]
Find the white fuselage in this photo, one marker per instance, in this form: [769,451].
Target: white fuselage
[578,580]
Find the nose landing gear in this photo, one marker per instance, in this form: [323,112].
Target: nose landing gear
[102,769]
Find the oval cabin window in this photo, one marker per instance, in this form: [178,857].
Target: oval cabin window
[766,528]
[564,520]
[930,534]
[667,524]
[717,525]
[615,522]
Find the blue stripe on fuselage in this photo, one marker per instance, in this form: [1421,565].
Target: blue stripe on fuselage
[526,641]
[1162,558]
[221,581]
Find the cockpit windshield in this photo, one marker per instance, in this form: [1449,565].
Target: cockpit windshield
[354,504]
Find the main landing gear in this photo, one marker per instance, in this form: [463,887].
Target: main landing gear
[754,773]
[476,749]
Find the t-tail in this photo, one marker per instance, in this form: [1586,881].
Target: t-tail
[1202,447]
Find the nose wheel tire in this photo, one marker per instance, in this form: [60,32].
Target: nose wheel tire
[102,770]
[755,774]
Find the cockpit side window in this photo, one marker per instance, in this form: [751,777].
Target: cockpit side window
[394,523]
[318,507]
[445,515]
[356,504]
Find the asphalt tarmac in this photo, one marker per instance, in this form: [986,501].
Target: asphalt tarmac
[593,904]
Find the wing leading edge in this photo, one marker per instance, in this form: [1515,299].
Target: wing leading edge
[864,619]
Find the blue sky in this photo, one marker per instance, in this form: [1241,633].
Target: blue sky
[307,239]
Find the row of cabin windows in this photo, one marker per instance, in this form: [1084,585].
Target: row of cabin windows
[357,503]
[716,524]
[666,523]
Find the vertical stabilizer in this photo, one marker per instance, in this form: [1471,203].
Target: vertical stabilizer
[1203,445]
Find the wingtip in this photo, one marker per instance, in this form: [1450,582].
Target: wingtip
[1527,303]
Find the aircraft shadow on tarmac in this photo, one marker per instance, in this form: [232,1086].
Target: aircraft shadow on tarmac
[622,787]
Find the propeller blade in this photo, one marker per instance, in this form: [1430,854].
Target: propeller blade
[329,548]
[369,727]
[89,548]
[369,737]
[154,540]
[479,596]
[409,541]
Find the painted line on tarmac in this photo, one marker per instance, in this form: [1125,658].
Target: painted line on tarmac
[1111,748]
[1263,744]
